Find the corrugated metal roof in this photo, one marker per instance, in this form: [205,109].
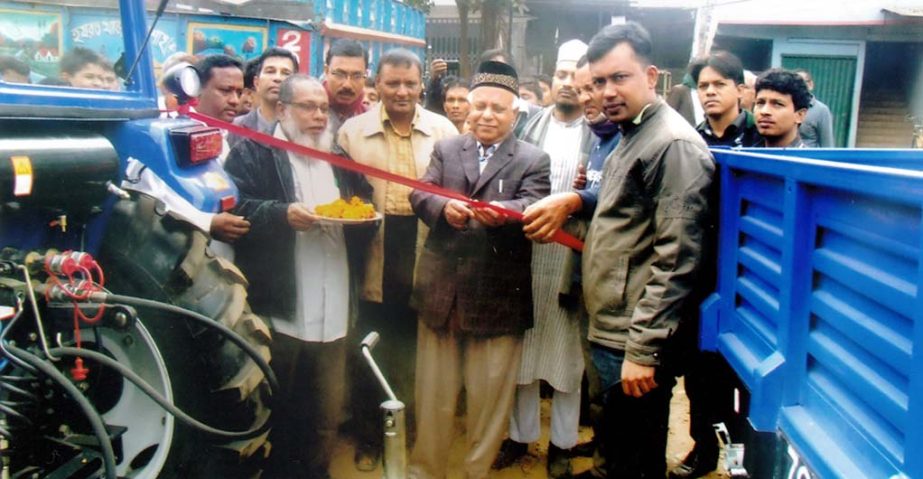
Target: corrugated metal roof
[905,11]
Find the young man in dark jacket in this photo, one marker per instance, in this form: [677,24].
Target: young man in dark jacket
[720,86]
[275,65]
[782,101]
[643,252]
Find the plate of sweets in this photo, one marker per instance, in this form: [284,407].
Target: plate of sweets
[344,212]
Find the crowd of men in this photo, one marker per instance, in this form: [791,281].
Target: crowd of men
[464,296]
[815,127]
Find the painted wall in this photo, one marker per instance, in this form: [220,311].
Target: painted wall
[387,16]
[40,34]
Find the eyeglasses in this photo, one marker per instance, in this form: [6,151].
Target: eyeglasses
[354,76]
[310,107]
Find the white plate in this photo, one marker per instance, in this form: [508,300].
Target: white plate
[345,221]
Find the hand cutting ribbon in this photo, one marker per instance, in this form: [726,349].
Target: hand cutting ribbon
[560,236]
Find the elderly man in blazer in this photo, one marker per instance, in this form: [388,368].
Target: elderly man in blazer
[473,286]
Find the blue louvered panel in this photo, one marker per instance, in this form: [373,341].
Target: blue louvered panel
[865,286]
[818,307]
[759,257]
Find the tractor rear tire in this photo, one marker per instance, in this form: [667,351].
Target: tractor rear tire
[149,253]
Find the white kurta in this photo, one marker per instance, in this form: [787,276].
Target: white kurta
[552,350]
[321,270]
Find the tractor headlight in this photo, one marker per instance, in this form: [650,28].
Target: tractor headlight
[183,81]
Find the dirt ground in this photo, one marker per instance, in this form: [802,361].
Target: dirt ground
[533,465]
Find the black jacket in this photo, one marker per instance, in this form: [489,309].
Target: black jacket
[741,133]
[266,254]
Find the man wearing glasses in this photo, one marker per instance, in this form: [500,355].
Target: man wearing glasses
[345,70]
[398,136]
[299,276]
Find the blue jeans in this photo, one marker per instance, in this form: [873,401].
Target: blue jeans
[634,439]
[608,363]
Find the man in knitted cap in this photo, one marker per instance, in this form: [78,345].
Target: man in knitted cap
[473,287]
[551,350]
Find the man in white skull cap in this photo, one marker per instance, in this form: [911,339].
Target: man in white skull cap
[551,349]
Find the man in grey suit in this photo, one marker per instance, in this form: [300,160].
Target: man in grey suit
[276,64]
[473,286]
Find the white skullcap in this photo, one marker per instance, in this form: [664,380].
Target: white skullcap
[569,53]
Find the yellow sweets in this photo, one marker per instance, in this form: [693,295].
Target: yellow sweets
[355,209]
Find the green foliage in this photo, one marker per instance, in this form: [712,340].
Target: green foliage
[424,5]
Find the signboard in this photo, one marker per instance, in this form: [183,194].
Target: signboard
[238,41]
[103,34]
[298,42]
[33,37]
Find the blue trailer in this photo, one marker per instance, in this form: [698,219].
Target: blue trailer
[818,309]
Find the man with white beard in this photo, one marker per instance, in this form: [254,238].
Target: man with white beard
[298,274]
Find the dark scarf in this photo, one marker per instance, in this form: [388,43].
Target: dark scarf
[604,129]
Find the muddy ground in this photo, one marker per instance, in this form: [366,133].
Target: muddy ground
[533,465]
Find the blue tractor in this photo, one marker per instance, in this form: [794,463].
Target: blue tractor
[127,347]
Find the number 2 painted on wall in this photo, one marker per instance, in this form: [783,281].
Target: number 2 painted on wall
[291,41]
[299,43]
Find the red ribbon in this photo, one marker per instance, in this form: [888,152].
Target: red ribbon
[559,236]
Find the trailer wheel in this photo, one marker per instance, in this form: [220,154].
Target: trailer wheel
[154,255]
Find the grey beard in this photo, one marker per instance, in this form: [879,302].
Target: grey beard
[321,142]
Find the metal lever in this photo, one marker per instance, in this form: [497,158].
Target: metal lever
[367,345]
[371,340]
[394,459]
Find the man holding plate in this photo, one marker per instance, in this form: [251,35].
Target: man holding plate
[297,266]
